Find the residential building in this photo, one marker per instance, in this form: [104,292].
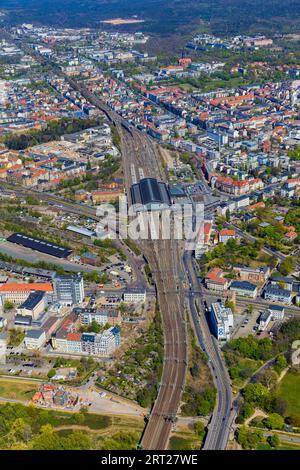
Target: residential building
[244,289]
[214,280]
[264,320]
[23,320]
[101,344]
[106,195]
[257,275]
[35,339]
[276,294]
[225,235]
[277,312]
[50,325]
[203,239]
[102,317]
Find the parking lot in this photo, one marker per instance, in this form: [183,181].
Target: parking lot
[24,366]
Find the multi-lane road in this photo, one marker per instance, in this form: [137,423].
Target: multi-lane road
[225,410]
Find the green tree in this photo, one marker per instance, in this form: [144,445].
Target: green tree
[47,439]
[250,309]
[123,307]
[273,440]
[8,305]
[246,411]
[274,421]
[280,363]
[256,394]
[199,429]
[230,304]
[287,266]
[77,440]
[94,327]
[249,439]
[269,378]
[51,373]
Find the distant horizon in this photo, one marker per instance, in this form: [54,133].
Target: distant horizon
[161,17]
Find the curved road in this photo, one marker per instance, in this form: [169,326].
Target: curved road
[225,412]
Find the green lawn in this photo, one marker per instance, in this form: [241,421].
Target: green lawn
[22,390]
[286,446]
[179,442]
[290,390]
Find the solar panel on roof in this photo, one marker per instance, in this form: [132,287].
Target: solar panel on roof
[39,245]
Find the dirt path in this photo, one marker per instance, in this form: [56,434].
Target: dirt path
[106,431]
[82,428]
[256,413]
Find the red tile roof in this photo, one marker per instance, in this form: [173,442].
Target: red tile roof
[21,287]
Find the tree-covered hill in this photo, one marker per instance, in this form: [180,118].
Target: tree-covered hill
[163,16]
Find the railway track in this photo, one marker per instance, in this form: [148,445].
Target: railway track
[165,261]
[164,258]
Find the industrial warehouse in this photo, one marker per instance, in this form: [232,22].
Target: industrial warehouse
[39,245]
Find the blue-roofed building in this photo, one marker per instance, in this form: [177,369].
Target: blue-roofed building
[277,312]
[40,245]
[244,288]
[103,344]
[33,306]
[276,294]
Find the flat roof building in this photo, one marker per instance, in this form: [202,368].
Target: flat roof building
[87,315]
[69,290]
[40,245]
[221,320]
[81,231]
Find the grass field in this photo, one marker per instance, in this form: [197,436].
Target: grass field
[181,442]
[22,390]
[105,432]
[246,367]
[289,389]
[185,438]
[286,446]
